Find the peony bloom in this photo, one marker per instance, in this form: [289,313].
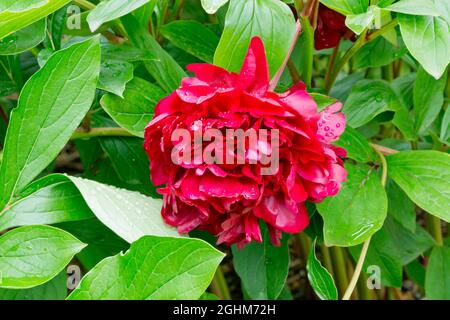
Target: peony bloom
[229,200]
[330,28]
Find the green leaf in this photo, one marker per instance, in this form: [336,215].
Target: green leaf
[262,267]
[368,99]
[425,178]
[437,279]
[136,109]
[356,145]
[192,37]
[101,242]
[445,126]
[428,99]
[20,5]
[32,255]
[414,7]
[114,75]
[400,207]
[154,268]
[130,162]
[358,22]
[56,26]
[51,105]
[211,6]
[347,7]
[23,39]
[377,53]
[129,214]
[428,40]
[271,20]
[50,200]
[165,70]
[320,279]
[55,289]
[125,52]
[357,211]
[12,21]
[109,10]
[322,100]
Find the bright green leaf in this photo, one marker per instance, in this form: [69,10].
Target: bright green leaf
[356,145]
[23,39]
[437,279]
[428,40]
[211,6]
[357,211]
[414,7]
[114,75]
[320,279]
[271,20]
[425,178]
[136,109]
[347,7]
[32,255]
[51,105]
[154,268]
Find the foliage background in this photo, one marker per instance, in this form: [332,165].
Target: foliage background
[78,83]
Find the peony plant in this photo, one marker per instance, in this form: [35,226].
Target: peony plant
[218,150]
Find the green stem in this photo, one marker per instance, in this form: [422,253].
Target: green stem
[331,63]
[340,269]
[327,258]
[435,228]
[361,41]
[101,132]
[85,4]
[365,247]
[219,285]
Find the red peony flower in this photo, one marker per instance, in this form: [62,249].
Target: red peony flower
[229,199]
[330,28]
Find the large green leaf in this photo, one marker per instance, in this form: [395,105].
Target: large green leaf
[347,7]
[211,6]
[367,99]
[114,75]
[357,211]
[129,214]
[165,70]
[320,279]
[55,289]
[271,20]
[135,110]
[400,207]
[356,145]
[445,126]
[378,53]
[108,10]
[428,40]
[50,200]
[425,177]
[32,255]
[262,267]
[154,268]
[193,37]
[428,99]
[12,21]
[51,106]
[414,7]
[23,39]
[437,279]
[20,5]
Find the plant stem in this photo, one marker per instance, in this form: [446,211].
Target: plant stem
[101,132]
[85,4]
[357,272]
[327,258]
[435,228]
[361,41]
[340,269]
[277,76]
[331,63]
[219,285]
[365,247]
